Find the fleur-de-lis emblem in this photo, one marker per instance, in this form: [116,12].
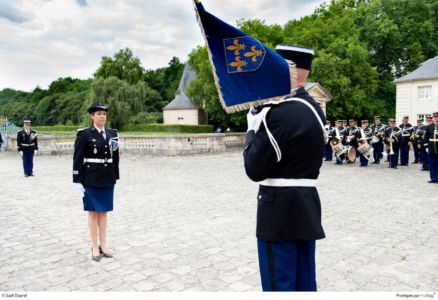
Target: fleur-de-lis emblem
[239,64]
[254,53]
[236,47]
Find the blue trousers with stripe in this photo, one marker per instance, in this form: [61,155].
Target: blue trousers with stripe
[404,155]
[433,159]
[28,163]
[287,265]
[424,158]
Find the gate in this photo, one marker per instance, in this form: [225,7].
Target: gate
[7,129]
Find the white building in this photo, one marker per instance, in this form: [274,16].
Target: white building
[182,110]
[319,93]
[417,92]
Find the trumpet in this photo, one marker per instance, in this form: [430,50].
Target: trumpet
[391,149]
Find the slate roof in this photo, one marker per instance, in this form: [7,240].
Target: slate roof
[181,100]
[427,70]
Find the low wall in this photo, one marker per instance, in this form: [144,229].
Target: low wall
[173,145]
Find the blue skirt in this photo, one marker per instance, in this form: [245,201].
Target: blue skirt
[98,199]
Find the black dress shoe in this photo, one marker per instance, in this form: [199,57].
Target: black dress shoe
[431,181]
[96,258]
[105,254]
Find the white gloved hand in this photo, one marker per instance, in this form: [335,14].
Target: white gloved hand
[21,153]
[254,121]
[80,187]
[35,152]
[251,120]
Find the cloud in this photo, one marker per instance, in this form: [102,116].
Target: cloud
[43,40]
[10,12]
[82,2]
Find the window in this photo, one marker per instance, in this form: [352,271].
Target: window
[423,117]
[425,92]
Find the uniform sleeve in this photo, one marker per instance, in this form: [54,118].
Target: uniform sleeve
[19,147]
[78,157]
[259,155]
[426,137]
[116,159]
[386,135]
[36,141]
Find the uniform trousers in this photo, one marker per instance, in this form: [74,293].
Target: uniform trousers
[393,160]
[28,163]
[404,155]
[433,158]
[363,160]
[424,158]
[377,152]
[328,152]
[416,153]
[287,265]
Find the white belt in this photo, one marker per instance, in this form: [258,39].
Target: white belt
[433,140]
[28,144]
[406,134]
[279,182]
[98,160]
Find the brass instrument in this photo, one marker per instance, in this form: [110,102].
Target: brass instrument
[391,149]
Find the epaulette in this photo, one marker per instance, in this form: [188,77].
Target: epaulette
[80,131]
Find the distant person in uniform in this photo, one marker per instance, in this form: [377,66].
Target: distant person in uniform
[431,142]
[27,145]
[95,170]
[1,142]
[284,154]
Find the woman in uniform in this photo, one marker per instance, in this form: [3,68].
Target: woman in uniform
[96,169]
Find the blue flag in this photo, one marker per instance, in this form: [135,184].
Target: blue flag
[246,72]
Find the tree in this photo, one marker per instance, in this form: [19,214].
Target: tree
[124,100]
[123,66]
[203,91]
[165,80]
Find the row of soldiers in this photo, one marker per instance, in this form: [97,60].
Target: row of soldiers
[347,142]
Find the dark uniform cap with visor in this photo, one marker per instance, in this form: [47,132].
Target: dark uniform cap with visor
[302,57]
[97,106]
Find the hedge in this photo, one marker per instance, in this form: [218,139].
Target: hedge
[72,128]
[169,128]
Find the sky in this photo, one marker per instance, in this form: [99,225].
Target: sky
[42,40]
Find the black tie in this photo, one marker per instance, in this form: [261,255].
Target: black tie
[102,134]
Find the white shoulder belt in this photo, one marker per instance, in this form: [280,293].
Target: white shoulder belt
[271,137]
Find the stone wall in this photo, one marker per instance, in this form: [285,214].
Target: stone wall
[186,144]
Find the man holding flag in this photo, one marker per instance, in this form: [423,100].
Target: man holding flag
[283,149]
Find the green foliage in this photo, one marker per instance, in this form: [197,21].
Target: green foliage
[124,99]
[57,128]
[123,66]
[361,47]
[146,118]
[270,35]
[203,92]
[165,80]
[176,128]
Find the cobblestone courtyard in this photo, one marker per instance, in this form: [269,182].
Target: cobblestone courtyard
[188,224]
